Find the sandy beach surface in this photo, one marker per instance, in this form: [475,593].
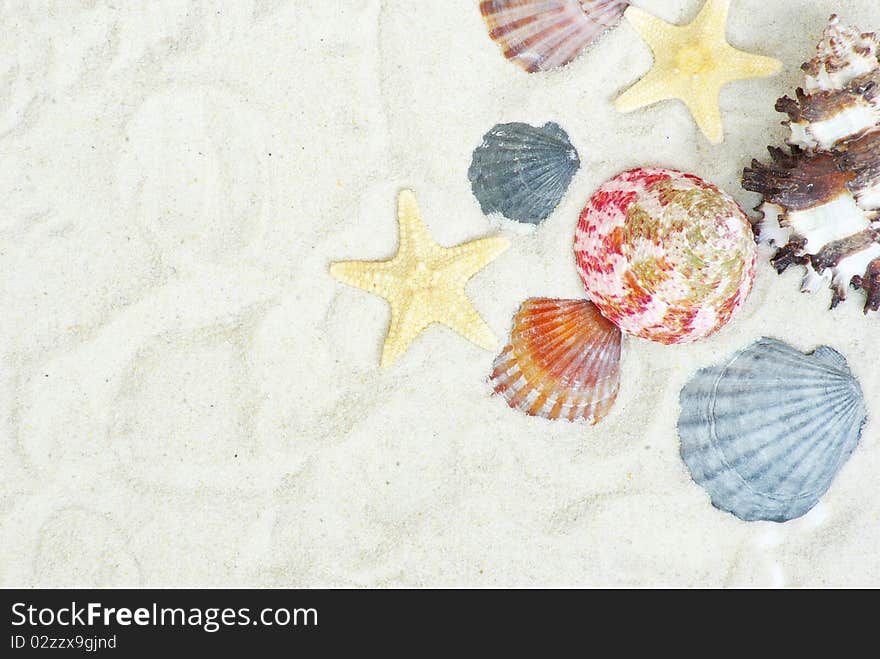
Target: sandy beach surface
[188,398]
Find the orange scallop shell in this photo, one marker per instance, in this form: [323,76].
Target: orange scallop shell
[562,361]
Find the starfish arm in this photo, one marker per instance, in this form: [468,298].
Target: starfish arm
[373,276]
[656,86]
[414,235]
[740,65]
[713,17]
[650,28]
[408,319]
[461,315]
[705,108]
[464,261]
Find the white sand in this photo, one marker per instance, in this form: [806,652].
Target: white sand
[188,398]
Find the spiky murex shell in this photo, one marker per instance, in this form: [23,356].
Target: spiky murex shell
[821,196]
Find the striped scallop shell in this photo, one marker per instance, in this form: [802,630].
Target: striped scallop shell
[664,255]
[541,35]
[522,171]
[766,432]
[562,361]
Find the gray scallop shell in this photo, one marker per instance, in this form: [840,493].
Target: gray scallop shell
[522,171]
[766,432]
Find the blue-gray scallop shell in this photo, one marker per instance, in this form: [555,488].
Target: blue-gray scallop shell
[766,432]
[522,171]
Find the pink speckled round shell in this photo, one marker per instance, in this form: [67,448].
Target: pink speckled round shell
[664,255]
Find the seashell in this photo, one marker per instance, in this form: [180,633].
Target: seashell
[541,35]
[766,432]
[843,55]
[840,99]
[821,197]
[523,172]
[562,361]
[664,255]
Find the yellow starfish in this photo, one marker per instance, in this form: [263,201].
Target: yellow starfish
[692,63]
[424,282]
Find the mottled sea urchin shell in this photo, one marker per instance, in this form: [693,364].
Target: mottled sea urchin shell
[522,171]
[664,255]
[765,432]
[821,197]
[541,35]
